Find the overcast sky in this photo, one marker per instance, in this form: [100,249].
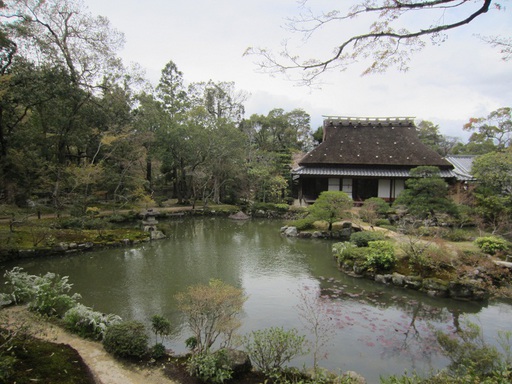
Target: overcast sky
[446,84]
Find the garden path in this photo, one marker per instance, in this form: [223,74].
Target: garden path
[105,369]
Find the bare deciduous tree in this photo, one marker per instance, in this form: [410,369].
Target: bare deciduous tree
[396,29]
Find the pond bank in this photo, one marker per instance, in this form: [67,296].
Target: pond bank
[104,368]
[468,286]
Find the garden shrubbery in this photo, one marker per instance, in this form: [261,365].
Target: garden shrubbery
[87,323]
[380,256]
[271,348]
[210,367]
[47,294]
[361,239]
[304,223]
[492,244]
[126,339]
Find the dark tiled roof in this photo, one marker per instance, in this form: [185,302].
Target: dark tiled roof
[361,172]
[372,141]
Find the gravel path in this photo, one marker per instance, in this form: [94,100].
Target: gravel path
[105,369]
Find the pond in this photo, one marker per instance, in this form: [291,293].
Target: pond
[374,329]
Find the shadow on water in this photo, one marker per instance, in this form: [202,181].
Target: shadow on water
[373,329]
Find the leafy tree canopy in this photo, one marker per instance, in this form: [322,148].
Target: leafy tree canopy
[494,172]
[426,194]
[330,206]
[496,128]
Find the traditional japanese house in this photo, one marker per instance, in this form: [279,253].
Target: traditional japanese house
[365,157]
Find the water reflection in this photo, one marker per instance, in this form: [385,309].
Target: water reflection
[377,330]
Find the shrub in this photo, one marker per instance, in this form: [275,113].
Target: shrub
[470,356]
[282,207]
[157,351]
[263,207]
[211,311]
[344,251]
[271,348]
[210,367]
[303,224]
[47,294]
[380,256]
[457,235]
[372,209]
[88,323]
[382,222]
[430,260]
[126,339]
[361,239]
[491,244]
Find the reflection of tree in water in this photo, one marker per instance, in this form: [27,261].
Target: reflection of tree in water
[402,327]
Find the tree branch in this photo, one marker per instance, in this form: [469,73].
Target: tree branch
[387,45]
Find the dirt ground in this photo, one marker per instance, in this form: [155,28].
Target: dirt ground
[105,369]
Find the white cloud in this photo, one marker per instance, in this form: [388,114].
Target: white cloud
[446,84]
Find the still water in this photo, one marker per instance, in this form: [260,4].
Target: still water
[373,329]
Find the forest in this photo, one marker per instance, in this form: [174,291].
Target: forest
[80,129]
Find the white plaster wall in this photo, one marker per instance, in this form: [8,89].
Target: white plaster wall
[384,185]
[347,186]
[334,184]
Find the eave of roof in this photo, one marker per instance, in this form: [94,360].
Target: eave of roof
[384,172]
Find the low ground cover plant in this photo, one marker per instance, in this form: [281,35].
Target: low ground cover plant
[87,323]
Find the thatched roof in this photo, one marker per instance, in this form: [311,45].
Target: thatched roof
[372,141]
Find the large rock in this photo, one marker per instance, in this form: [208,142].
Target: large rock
[291,232]
[239,216]
[435,287]
[467,290]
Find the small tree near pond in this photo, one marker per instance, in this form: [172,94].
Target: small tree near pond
[330,206]
[271,348]
[211,310]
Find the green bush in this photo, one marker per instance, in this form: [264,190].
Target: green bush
[303,224]
[47,294]
[263,207]
[373,208]
[126,339]
[380,256]
[282,207]
[471,357]
[157,351]
[88,323]
[457,235]
[210,367]
[382,222]
[344,251]
[491,244]
[361,239]
[271,348]
[428,260]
